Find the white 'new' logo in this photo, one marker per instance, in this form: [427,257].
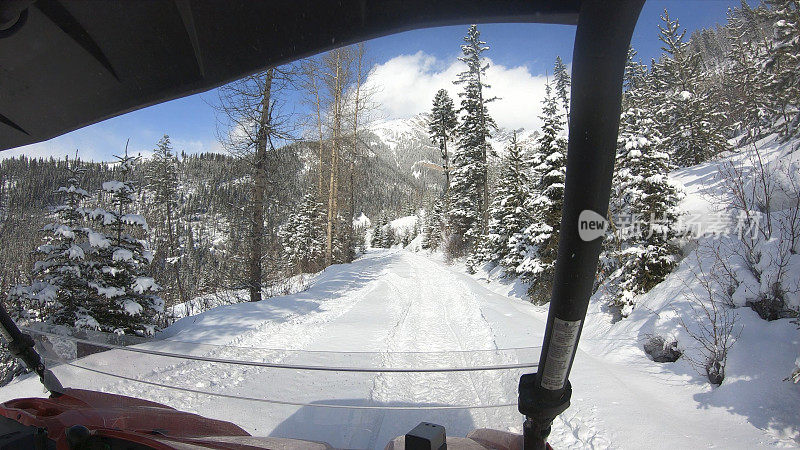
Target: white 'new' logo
[591,225]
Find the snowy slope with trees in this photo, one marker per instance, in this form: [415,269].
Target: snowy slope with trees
[707,308]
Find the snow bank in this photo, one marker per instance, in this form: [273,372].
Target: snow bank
[763,352]
[404,225]
[362,221]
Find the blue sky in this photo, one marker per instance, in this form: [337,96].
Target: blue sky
[410,66]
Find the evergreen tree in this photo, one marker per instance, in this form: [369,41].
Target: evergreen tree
[379,234]
[635,83]
[304,242]
[390,237]
[59,288]
[644,204]
[563,83]
[162,181]
[470,190]
[433,226]
[509,213]
[441,126]
[540,239]
[744,77]
[783,62]
[125,298]
[691,124]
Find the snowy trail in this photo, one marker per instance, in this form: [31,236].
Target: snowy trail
[389,305]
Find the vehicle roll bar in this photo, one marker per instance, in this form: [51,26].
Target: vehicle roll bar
[602,39]
[20,345]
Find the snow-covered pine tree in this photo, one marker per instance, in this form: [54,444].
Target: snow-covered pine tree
[783,62]
[540,239]
[162,181]
[304,242]
[636,95]
[509,213]
[59,288]
[744,75]
[441,126]
[433,226]
[563,84]
[470,190]
[125,298]
[644,207]
[635,82]
[390,237]
[379,233]
[691,123]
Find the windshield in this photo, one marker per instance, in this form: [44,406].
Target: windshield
[341,247]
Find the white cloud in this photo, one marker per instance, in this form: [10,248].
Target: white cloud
[405,86]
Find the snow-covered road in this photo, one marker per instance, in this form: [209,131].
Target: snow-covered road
[401,309]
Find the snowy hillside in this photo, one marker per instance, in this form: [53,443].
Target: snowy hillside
[762,354]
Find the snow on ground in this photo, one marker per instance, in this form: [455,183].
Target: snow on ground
[398,308]
[387,304]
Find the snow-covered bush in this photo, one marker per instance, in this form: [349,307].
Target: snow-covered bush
[762,257]
[712,322]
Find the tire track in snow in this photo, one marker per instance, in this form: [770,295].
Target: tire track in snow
[442,316]
[577,428]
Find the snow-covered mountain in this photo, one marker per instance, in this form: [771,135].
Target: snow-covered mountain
[407,144]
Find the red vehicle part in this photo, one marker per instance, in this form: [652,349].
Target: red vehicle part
[113,417]
[116,421]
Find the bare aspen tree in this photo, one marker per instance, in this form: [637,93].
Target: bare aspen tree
[311,72]
[336,93]
[338,73]
[357,104]
[335,82]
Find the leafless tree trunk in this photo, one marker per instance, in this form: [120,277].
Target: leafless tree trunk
[357,104]
[251,126]
[336,82]
[311,71]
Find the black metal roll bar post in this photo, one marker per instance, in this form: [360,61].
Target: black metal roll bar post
[21,346]
[602,39]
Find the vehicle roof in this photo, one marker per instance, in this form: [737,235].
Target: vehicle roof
[66,65]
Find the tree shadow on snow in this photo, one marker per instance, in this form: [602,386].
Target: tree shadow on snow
[224,323]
